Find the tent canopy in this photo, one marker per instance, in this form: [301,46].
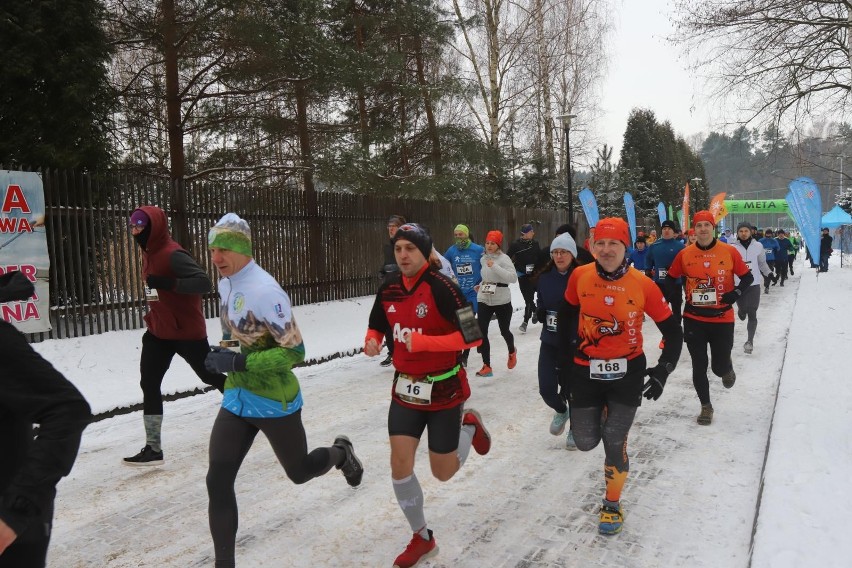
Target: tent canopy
[835,218]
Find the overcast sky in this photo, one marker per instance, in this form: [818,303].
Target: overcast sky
[645,71]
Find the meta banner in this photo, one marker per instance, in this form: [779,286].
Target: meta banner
[756,206]
[23,247]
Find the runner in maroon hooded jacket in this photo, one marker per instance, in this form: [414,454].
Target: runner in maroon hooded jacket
[174,284]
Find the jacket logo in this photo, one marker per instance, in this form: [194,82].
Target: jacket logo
[392,309]
[239,302]
[699,283]
[706,264]
[421,310]
[593,329]
[609,300]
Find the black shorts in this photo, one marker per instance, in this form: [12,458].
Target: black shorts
[444,425]
[588,393]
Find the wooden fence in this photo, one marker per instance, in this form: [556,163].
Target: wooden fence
[323,249]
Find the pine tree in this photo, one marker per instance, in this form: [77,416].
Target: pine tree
[55,102]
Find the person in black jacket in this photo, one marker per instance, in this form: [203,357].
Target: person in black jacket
[524,253]
[825,249]
[33,393]
[389,266]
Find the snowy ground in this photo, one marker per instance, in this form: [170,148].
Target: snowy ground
[694,497]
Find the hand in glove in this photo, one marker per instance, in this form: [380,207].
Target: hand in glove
[732,296]
[222,360]
[14,287]
[654,386]
[160,282]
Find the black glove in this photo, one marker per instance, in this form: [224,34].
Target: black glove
[160,282]
[541,315]
[732,296]
[653,388]
[222,360]
[14,287]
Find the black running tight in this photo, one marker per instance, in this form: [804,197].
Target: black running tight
[230,440]
[504,316]
[589,429]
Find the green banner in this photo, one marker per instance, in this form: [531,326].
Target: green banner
[774,206]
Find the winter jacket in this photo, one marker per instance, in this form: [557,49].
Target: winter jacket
[389,265]
[257,312]
[785,248]
[524,254]
[34,393]
[660,257]
[551,297]
[771,245]
[825,245]
[754,256]
[638,258]
[501,273]
[176,314]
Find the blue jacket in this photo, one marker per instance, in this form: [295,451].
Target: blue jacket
[638,258]
[771,245]
[661,254]
[466,265]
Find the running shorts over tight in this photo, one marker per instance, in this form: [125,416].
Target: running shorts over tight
[444,425]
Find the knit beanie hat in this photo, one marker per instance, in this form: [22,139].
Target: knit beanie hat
[670,224]
[526,229]
[744,225]
[564,242]
[463,229]
[231,233]
[495,237]
[704,216]
[139,219]
[613,228]
[416,234]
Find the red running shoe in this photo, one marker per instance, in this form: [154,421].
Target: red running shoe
[481,438]
[513,359]
[417,550]
[662,343]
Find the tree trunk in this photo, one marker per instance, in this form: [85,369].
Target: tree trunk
[544,82]
[430,115]
[363,122]
[174,126]
[316,268]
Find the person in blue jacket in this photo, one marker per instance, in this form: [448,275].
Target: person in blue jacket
[770,244]
[660,257]
[554,361]
[464,256]
[638,254]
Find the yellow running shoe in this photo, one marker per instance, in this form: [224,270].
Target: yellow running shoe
[611,520]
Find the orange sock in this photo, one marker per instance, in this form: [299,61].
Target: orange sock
[614,482]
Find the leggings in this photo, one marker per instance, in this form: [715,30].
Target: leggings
[549,358]
[720,337]
[528,292]
[157,355]
[230,440]
[504,315]
[589,430]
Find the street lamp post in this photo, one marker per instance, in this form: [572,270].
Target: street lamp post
[566,126]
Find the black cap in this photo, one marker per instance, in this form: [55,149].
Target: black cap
[670,224]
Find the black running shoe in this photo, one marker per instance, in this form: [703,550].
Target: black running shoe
[387,362]
[146,457]
[351,467]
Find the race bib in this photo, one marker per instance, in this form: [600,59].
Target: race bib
[488,288]
[151,294]
[662,273]
[415,393]
[530,268]
[464,269]
[706,297]
[607,369]
[550,321]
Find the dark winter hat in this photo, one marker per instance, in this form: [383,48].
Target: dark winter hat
[526,229]
[744,225]
[670,224]
[414,233]
[139,219]
[641,240]
[825,229]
